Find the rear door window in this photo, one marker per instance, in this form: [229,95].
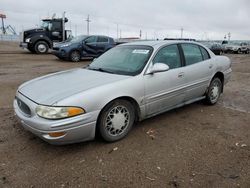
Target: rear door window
[102,39]
[192,54]
[205,53]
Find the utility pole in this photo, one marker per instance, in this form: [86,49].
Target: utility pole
[229,36]
[3,16]
[117,30]
[75,30]
[182,32]
[140,33]
[63,26]
[88,21]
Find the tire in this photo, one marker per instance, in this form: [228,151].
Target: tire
[214,91]
[238,51]
[110,124]
[75,56]
[221,52]
[41,47]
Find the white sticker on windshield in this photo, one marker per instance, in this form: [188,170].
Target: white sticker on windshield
[140,51]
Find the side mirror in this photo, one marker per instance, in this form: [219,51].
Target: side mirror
[159,67]
[55,33]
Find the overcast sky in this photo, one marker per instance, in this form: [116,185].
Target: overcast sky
[200,19]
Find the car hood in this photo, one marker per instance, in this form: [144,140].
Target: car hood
[52,88]
[64,44]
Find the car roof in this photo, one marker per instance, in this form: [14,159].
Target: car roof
[158,43]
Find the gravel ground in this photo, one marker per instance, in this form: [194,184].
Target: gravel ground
[193,146]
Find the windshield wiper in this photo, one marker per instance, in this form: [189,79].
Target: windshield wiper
[100,69]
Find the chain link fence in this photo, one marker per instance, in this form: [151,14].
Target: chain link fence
[14,38]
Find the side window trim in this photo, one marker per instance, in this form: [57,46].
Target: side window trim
[183,60]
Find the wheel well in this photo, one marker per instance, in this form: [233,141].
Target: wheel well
[220,75]
[75,50]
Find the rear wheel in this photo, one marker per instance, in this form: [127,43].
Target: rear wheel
[239,51]
[75,56]
[214,91]
[116,120]
[41,47]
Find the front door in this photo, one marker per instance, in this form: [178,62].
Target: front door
[89,46]
[165,90]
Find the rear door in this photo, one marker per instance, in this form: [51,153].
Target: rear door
[164,90]
[198,71]
[102,44]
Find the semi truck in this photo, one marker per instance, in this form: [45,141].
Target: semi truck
[40,40]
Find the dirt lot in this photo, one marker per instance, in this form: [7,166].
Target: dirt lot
[194,146]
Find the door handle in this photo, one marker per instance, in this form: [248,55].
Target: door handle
[180,75]
[211,66]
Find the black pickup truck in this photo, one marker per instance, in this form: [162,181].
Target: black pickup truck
[83,46]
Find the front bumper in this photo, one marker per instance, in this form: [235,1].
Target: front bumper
[60,53]
[77,129]
[23,45]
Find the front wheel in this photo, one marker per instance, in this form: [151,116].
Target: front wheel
[116,120]
[75,56]
[41,47]
[214,91]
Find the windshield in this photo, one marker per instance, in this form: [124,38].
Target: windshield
[78,38]
[126,60]
[45,24]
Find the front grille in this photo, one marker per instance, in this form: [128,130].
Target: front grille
[23,107]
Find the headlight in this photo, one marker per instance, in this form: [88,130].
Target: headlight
[65,45]
[50,112]
[27,40]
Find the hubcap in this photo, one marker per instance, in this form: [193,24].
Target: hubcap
[75,56]
[117,120]
[215,92]
[41,48]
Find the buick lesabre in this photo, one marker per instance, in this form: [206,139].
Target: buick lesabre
[129,83]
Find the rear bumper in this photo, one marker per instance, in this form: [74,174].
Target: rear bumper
[23,45]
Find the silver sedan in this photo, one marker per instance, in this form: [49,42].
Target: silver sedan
[129,83]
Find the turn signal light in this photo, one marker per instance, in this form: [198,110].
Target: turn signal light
[56,134]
